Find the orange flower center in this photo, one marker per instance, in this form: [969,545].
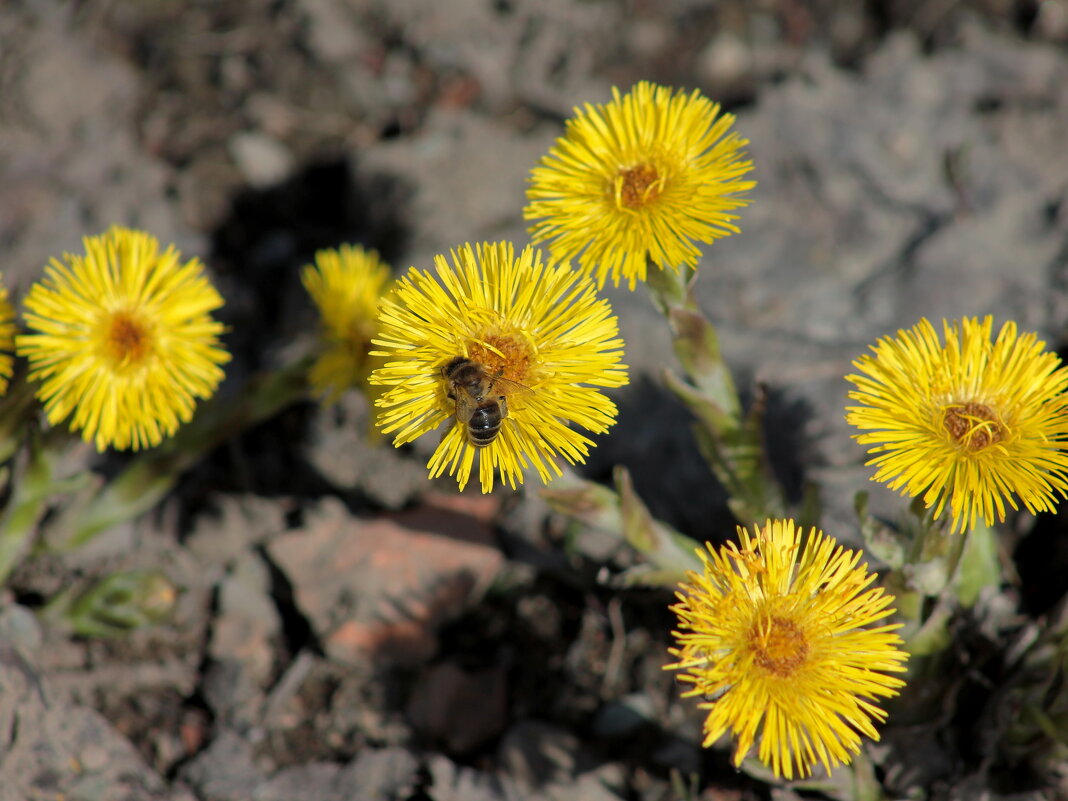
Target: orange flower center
[506,355]
[638,185]
[778,646]
[973,425]
[127,340]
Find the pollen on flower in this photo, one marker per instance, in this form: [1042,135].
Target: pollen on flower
[778,646]
[639,185]
[508,356]
[973,425]
[975,422]
[121,339]
[639,181]
[786,641]
[127,341]
[520,319]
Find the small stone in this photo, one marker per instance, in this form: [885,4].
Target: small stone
[382,773]
[248,619]
[379,589]
[19,627]
[93,758]
[316,780]
[262,160]
[726,61]
[236,523]
[226,771]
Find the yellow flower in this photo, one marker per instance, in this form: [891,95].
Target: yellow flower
[346,285]
[971,421]
[540,337]
[772,636]
[639,179]
[122,337]
[7,339]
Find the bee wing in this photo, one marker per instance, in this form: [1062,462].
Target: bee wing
[506,386]
[465,406]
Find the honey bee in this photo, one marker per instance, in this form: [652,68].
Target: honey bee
[481,405]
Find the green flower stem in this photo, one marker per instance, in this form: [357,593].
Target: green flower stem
[669,554]
[979,565]
[926,562]
[964,564]
[865,784]
[939,560]
[731,441]
[152,474]
[32,485]
[671,289]
[16,411]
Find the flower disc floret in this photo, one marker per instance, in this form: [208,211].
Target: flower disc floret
[971,422]
[639,179]
[776,634]
[539,332]
[122,340]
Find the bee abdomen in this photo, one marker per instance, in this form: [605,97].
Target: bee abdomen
[484,426]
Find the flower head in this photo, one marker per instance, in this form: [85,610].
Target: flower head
[492,325]
[346,285]
[123,339]
[639,179]
[970,421]
[7,339]
[772,634]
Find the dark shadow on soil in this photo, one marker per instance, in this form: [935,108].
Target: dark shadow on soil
[258,251]
[570,671]
[257,254]
[1040,559]
[653,439]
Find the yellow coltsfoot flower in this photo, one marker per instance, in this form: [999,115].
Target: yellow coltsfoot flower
[7,339]
[345,285]
[509,351]
[971,422]
[122,339]
[640,179]
[772,634]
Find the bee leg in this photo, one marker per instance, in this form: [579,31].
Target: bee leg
[503,402]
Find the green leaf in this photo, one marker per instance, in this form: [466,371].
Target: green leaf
[118,604]
[980,565]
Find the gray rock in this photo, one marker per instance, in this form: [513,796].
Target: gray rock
[456,147]
[262,160]
[71,162]
[225,770]
[379,775]
[353,455]
[54,748]
[315,780]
